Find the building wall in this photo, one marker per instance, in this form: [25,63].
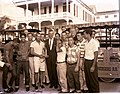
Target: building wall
[107,16]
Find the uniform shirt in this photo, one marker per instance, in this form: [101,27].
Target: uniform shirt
[90,48]
[61,56]
[72,54]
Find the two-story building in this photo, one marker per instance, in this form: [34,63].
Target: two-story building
[41,14]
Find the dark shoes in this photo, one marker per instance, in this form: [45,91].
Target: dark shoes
[36,87]
[27,88]
[33,85]
[16,89]
[55,87]
[8,90]
[42,86]
[51,86]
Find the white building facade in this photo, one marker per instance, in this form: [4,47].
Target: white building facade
[106,16]
[54,13]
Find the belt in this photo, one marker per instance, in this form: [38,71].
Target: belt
[61,62]
[72,63]
[89,60]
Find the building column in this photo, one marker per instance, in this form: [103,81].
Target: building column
[67,11]
[26,9]
[52,8]
[16,26]
[52,22]
[39,8]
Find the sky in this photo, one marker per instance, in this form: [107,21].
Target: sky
[101,5]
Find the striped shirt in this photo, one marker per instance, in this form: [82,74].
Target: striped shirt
[72,54]
[81,45]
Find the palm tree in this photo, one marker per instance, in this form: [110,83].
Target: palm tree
[3,21]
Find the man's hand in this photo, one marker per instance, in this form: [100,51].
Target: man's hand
[8,64]
[76,69]
[92,69]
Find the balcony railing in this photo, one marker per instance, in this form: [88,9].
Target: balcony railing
[60,15]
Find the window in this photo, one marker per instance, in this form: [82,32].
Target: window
[64,7]
[69,7]
[44,10]
[74,9]
[49,9]
[115,16]
[56,9]
[106,16]
[83,14]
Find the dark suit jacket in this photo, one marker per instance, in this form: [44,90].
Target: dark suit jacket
[51,53]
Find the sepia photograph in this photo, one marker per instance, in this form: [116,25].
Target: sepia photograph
[59,46]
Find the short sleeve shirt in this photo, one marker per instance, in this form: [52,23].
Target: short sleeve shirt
[38,47]
[72,54]
[61,55]
[90,48]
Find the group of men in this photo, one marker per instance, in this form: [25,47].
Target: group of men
[71,61]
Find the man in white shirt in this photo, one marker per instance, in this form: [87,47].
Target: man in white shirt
[37,48]
[90,65]
[61,66]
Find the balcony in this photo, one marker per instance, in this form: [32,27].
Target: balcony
[46,17]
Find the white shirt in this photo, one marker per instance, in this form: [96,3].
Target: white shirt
[51,43]
[38,47]
[90,48]
[61,55]
[1,64]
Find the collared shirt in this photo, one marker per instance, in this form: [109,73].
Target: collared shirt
[24,50]
[82,47]
[38,47]
[72,54]
[61,55]
[90,48]
[51,43]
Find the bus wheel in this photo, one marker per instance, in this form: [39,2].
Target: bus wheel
[107,79]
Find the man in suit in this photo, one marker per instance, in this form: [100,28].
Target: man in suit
[51,60]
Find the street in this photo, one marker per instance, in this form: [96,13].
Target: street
[113,87]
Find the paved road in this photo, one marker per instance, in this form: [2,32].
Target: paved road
[113,87]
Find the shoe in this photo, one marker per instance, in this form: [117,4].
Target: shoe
[16,89]
[11,89]
[27,88]
[33,85]
[7,90]
[51,86]
[42,86]
[55,87]
[2,92]
[72,91]
[47,84]
[85,91]
[63,92]
[78,91]
[36,87]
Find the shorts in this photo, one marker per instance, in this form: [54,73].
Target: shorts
[39,64]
